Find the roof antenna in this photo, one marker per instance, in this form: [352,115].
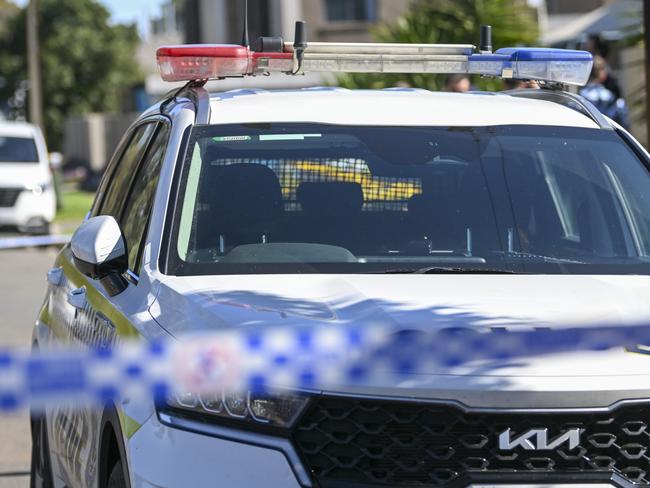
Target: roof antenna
[245,38]
[300,45]
[485,46]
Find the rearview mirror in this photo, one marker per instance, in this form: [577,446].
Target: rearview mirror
[99,252]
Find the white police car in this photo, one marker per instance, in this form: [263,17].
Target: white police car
[27,197]
[249,209]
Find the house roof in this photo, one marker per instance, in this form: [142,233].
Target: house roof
[612,22]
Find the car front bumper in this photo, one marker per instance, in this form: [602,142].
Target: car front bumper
[173,451]
[30,207]
[163,456]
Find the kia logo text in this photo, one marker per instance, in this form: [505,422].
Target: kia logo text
[537,440]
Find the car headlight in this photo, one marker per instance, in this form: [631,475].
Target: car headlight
[280,410]
[38,189]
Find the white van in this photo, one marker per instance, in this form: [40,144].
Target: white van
[27,197]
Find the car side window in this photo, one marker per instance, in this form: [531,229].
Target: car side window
[120,181]
[108,171]
[137,209]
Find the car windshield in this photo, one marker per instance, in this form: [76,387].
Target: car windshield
[314,198]
[17,150]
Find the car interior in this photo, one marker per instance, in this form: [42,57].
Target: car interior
[420,199]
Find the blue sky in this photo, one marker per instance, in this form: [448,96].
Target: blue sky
[133,10]
[127,10]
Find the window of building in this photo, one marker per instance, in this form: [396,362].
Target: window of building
[351,10]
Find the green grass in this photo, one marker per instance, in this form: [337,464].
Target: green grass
[75,207]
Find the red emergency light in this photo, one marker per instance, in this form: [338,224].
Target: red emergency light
[213,61]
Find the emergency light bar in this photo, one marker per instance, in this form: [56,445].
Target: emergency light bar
[205,62]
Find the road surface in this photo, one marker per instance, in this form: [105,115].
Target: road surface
[22,288]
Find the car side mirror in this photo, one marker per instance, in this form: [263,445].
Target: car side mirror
[99,252]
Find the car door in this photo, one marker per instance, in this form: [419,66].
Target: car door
[87,315]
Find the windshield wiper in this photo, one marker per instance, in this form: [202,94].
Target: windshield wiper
[447,270]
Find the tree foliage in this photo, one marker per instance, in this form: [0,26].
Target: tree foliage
[7,9]
[87,64]
[451,22]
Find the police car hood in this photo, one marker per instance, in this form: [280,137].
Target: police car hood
[426,302]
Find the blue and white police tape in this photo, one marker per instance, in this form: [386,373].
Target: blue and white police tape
[33,241]
[257,360]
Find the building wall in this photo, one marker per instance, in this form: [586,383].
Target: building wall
[321,29]
[390,10]
[215,22]
[222,20]
[285,13]
[574,6]
[632,80]
[91,139]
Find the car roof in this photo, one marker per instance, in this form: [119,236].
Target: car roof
[403,107]
[17,129]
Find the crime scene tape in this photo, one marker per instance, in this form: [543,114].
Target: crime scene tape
[33,241]
[259,360]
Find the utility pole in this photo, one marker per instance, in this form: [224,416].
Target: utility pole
[646,17]
[33,66]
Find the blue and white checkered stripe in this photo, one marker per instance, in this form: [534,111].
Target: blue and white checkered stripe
[320,357]
[329,357]
[81,376]
[20,242]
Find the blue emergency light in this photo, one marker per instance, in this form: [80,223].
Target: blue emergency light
[539,64]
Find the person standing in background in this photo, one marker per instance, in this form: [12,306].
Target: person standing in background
[597,46]
[458,84]
[605,100]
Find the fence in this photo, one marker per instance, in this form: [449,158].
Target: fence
[90,140]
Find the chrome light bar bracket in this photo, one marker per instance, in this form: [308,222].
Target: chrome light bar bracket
[360,48]
[567,99]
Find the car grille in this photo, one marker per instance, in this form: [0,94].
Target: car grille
[8,196]
[348,442]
